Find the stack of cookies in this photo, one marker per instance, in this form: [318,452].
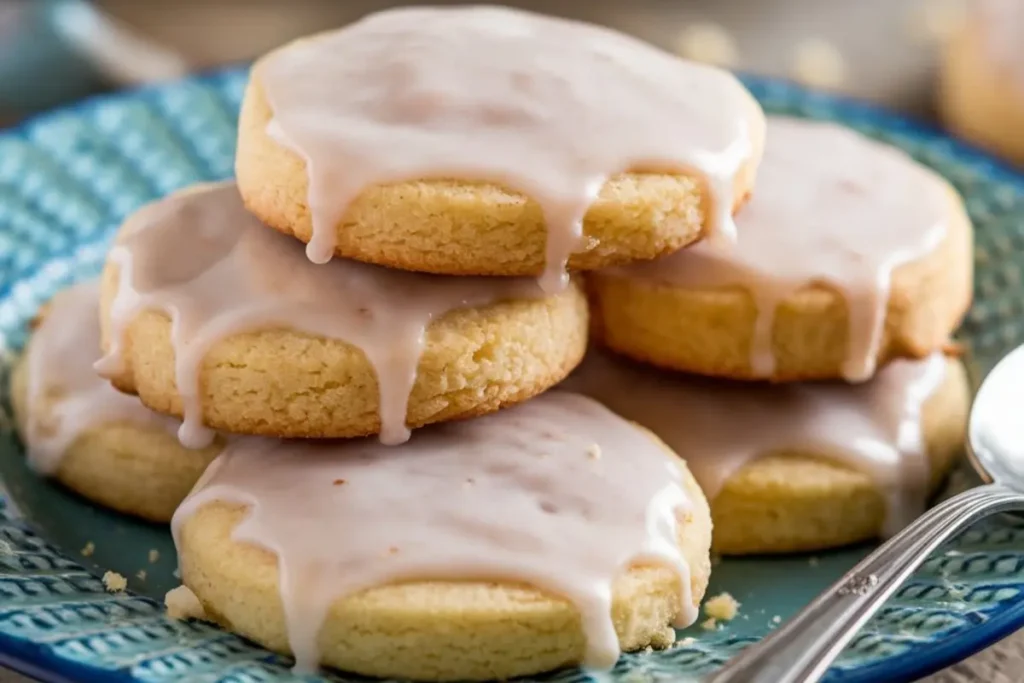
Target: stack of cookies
[420,199]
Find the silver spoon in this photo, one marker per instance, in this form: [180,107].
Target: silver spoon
[802,650]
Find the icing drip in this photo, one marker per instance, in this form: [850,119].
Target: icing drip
[514,496]
[874,427]
[547,107]
[65,395]
[831,208]
[216,271]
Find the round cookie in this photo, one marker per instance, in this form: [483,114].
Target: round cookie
[790,468]
[511,511]
[457,157]
[93,439]
[981,85]
[268,343]
[849,256]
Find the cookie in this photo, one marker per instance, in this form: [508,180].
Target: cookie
[211,317]
[981,85]
[485,549]
[801,466]
[850,255]
[482,141]
[93,439]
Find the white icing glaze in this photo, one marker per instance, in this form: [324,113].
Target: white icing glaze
[515,496]
[831,207]
[719,426]
[66,397]
[1002,23]
[547,107]
[216,271]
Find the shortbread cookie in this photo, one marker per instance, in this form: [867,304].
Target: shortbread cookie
[551,534]
[799,467]
[95,440]
[851,254]
[210,316]
[981,94]
[490,141]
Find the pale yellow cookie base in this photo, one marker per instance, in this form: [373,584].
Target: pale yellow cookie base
[139,470]
[710,331]
[790,502]
[979,99]
[434,630]
[290,384]
[464,228]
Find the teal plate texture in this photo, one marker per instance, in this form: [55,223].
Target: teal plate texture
[68,178]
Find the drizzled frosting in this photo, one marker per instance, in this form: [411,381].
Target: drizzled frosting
[65,396]
[533,494]
[831,208]
[217,271]
[547,107]
[718,426]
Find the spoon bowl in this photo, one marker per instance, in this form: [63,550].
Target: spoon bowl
[995,432]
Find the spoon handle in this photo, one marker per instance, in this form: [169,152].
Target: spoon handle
[804,647]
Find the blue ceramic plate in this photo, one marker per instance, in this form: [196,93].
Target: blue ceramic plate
[68,179]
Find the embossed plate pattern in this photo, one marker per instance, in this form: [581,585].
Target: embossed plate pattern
[66,181]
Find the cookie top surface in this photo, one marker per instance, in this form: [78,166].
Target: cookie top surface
[215,271]
[718,427]
[531,495]
[832,207]
[65,395]
[548,107]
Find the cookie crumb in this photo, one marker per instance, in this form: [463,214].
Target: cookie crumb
[685,642]
[114,582]
[594,451]
[141,575]
[648,650]
[776,619]
[709,624]
[722,607]
[708,43]
[89,549]
[819,64]
[339,482]
[154,555]
[182,603]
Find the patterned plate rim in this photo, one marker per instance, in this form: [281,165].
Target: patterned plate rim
[32,659]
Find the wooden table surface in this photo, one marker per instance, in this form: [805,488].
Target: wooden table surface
[885,56]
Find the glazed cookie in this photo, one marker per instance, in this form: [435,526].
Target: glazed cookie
[482,141]
[499,547]
[981,93]
[850,255]
[210,316]
[95,440]
[799,467]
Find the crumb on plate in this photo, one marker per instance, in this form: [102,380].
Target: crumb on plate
[114,582]
[722,607]
[182,603]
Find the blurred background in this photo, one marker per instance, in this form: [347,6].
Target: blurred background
[56,51]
